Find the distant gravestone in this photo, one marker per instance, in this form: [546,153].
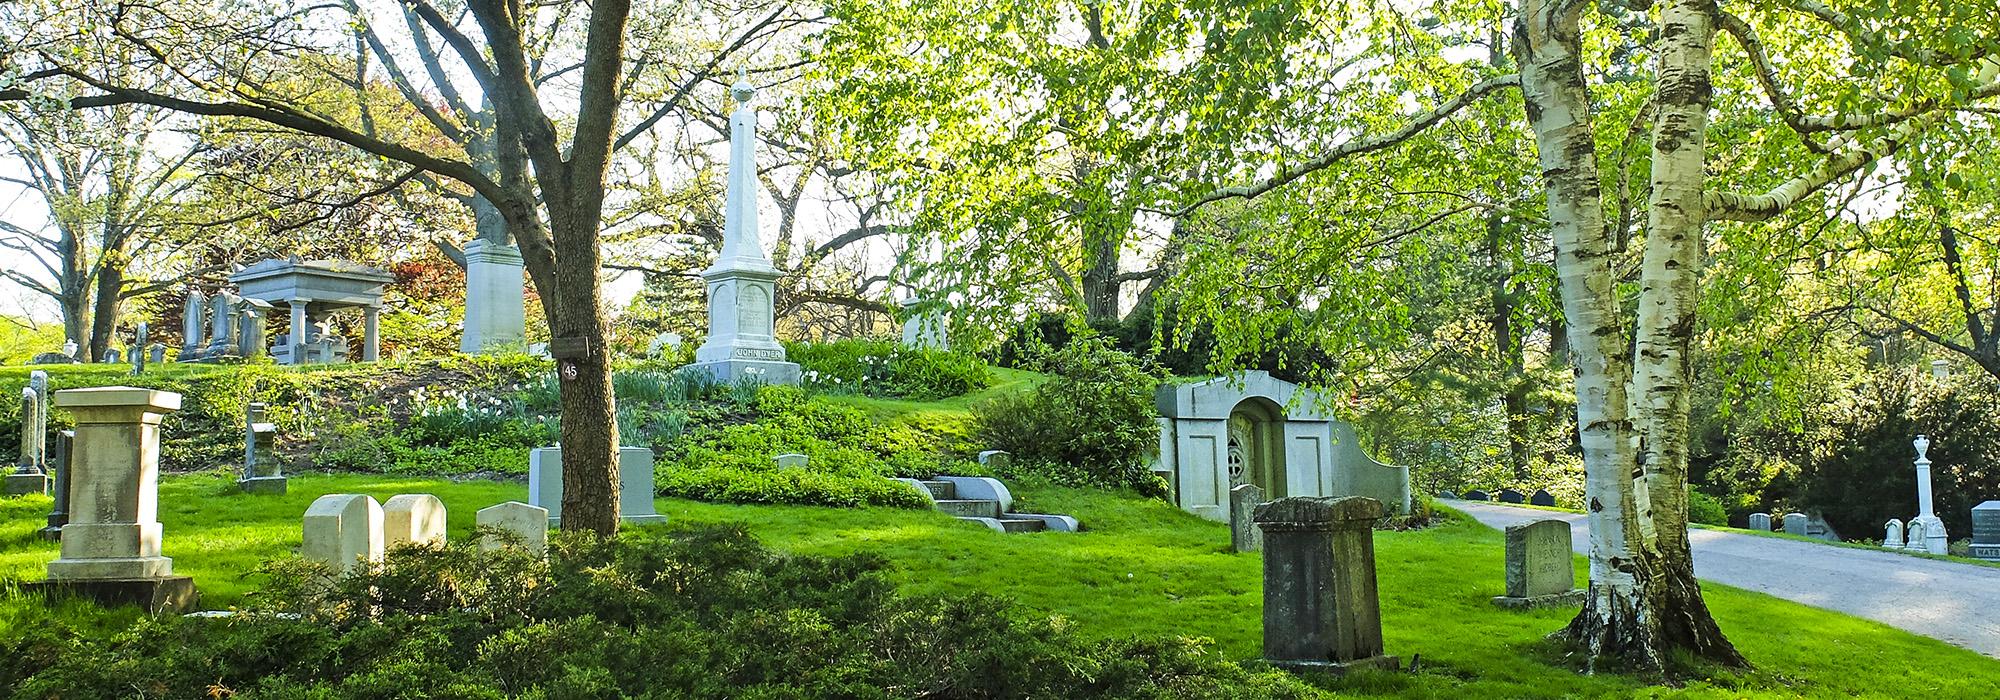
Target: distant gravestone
[412,518]
[514,524]
[635,484]
[1243,533]
[1795,523]
[1447,495]
[262,472]
[158,353]
[1477,495]
[1540,570]
[342,531]
[1892,534]
[995,459]
[1320,605]
[1986,531]
[1760,522]
[1512,496]
[791,460]
[1916,532]
[1542,497]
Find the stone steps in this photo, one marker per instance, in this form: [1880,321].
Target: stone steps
[986,501]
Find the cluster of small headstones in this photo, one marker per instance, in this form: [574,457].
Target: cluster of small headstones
[1541,497]
[346,530]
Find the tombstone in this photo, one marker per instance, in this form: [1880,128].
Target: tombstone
[1542,497]
[664,345]
[1916,532]
[158,351]
[1818,527]
[1934,540]
[1447,495]
[69,351]
[412,519]
[1320,607]
[343,531]
[740,343]
[1795,524]
[111,543]
[791,460]
[223,323]
[59,463]
[1477,495]
[514,524]
[1760,522]
[495,298]
[923,327]
[1243,533]
[251,340]
[1986,531]
[262,472]
[1512,496]
[1892,534]
[996,460]
[635,484]
[194,317]
[137,352]
[29,475]
[1540,570]
[112,356]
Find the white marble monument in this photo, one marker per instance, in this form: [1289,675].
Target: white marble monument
[514,523]
[342,531]
[495,306]
[412,518]
[1934,539]
[741,330]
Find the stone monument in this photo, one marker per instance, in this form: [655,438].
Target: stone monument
[923,327]
[1986,531]
[790,460]
[137,353]
[31,474]
[495,298]
[1512,496]
[223,322]
[412,519]
[1478,495]
[1320,607]
[1542,497]
[111,544]
[1760,522]
[1795,524]
[1934,539]
[194,319]
[514,523]
[1892,534]
[59,463]
[1244,536]
[635,484]
[343,531]
[741,333]
[314,290]
[262,472]
[1540,569]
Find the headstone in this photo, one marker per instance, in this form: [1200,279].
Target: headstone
[1817,526]
[923,327]
[69,351]
[59,464]
[791,460]
[1320,606]
[996,460]
[1892,534]
[635,484]
[137,353]
[262,472]
[29,475]
[1760,522]
[1244,536]
[194,320]
[1542,497]
[412,518]
[1447,495]
[1512,496]
[514,524]
[111,544]
[251,340]
[495,298]
[1916,531]
[1934,540]
[1540,570]
[741,344]
[112,356]
[664,345]
[1477,495]
[158,351]
[1986,531]
[222,330]
[343,531]
[1795,524]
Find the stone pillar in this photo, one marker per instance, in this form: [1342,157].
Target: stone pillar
[222,325]
[495,300]
[111,545]
[193,317]
[1934,539]
[301,329]
[136,354]
[371,333]
[1244,535]
[742,342]
[29,475]
[1320,609]
[59,463]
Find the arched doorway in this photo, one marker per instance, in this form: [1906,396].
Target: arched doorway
[1257,446]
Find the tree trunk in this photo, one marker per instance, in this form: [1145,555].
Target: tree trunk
[1669,277]
[574,311]
[1500,321]
[104,316]
[1616,620]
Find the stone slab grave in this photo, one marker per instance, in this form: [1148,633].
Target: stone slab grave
[343,531]
[1447,495]
[1760,522]
[514,524]
[412,519]
[1512,496]
[1540,570]
[986,501]
[261,471]
[111,544]
[1795,523]
[1986,531]
[1892,534]
[1320,605]
[1244,536]
[635,484]
[1477,495]
[1542,497]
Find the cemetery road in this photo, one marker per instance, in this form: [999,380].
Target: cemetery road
[1960,603]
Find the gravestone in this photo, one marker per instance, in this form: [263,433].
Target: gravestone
[514,524]
[996,459]
[194,321]
[1477,495]
[1511,496]
[1760,522]
[1817,526]
[1540,570]
[111,544]
[158,352]
[1243,533]
[70,349]
[1320,606]
[137,354]
[1447,495]
[1542,497]
[1892,534]
[923,327]
[29,475]
[791,460]
[1916,531]
[412,518]
[635,484]
[59,465]
[112,356]
[665,344]
[1986,531]
[495,299]
[741,343]
[342,531]
[1795,523]
[261,471]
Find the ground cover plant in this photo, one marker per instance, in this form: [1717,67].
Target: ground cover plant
[886,369]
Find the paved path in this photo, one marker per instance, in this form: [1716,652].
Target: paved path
[1954,602]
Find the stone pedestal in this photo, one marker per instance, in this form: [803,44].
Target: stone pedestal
[635,484]
[113,534]
[1320,607]
[1540,569]
[495,306]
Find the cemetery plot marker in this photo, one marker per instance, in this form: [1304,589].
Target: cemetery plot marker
[1320,607]
[1540,569]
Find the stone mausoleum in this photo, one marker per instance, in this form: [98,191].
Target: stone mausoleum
[1252,428]
[314,290]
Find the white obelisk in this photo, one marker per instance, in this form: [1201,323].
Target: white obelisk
[741,342]
[1935,540]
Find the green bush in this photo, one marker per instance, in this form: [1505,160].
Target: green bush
[1706,509]
[707,613]
[1091,424]
[882,368]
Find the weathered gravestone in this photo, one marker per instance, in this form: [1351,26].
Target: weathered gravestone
[635,484]
[1511,496]
[412,519]
[111,544]
[1818,527]
[514,524]
[1320,606]
[1760,522]
[1447,495]
[995,459]
[137,353]
[1892,534]
[262,472]
[1986,531]
[791,460]
[30,473]
[59,465]
[1795,523]
[342,531]
[158,353]
[1540,571]
[1916,531]
[1542,497]
[1243,533]
[1477,495]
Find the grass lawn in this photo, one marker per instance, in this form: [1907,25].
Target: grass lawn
[1145,568]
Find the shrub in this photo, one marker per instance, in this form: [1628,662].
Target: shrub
[882,368]
[1092,423]
[703,613]
[1706,509]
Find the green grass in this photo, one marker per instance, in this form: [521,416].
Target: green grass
[1009,381]
[1143,568]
